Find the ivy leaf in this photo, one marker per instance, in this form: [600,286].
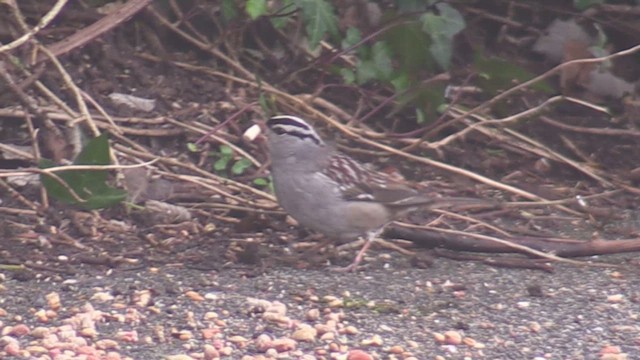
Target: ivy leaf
[401,82]
[382,60]
[192,147]
[90,185]
[256,8]
[585,4]
[240,166]
[351,38]
[320,19]
[221,164]
[442,28]
[226,150]
[347,76]
[261,182]
[498,74]
[405,6]
[229,10]
[410,45]
[366,71]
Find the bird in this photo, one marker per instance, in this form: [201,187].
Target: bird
[330,192]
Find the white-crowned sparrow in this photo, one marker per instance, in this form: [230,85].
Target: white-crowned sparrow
[330,192]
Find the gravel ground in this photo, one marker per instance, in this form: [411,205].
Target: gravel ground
[455,310]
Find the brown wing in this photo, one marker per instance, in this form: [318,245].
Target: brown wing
[363,184]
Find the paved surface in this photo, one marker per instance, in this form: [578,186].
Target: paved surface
[574,313]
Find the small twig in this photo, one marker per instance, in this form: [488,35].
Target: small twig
[44,21]
[115,18]
[587,130]
[520,248]
[471,220]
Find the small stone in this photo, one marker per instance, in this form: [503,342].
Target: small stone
[276,318]
[102,297]
[130,336]
[179,357]
[323,328]
[523,304]
[211,296]
[313,315]
[210,352]
[194,296]
[111,355]
[284,344]
[238,340]
[185,335]
[617,275]
[440,338]
[535,326]
[20,330]
[610,349]
[53,300]
[305,333]
[88,332]
[40,332]
[105,344]
[452,337]
[396,349]
[41,316]
[358,355]
[350,330]
[12,349]
[210,315]
[330,336]
[277,307]
[263,342]
[36,349]
[615,298]
[375,340]
[469,341]
[209,333]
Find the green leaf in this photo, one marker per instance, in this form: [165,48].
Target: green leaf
[282,16]
[226,150]
[347,76]
[221,164]
[382,59]
[585,4]
[410,45]
[441,50]
[405,6]
[261,182]
[90,185]
[229,10]
[401,82]
[320,19]
[366,71]
[192,147]
[427,98]
[420,116]
[497,75]
[95,152]
[442,28]
[240,166]
[256,8]
[351,38]
[106,197]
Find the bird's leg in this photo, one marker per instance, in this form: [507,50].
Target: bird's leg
[371,237]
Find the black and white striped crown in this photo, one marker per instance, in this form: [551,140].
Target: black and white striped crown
[293,126]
